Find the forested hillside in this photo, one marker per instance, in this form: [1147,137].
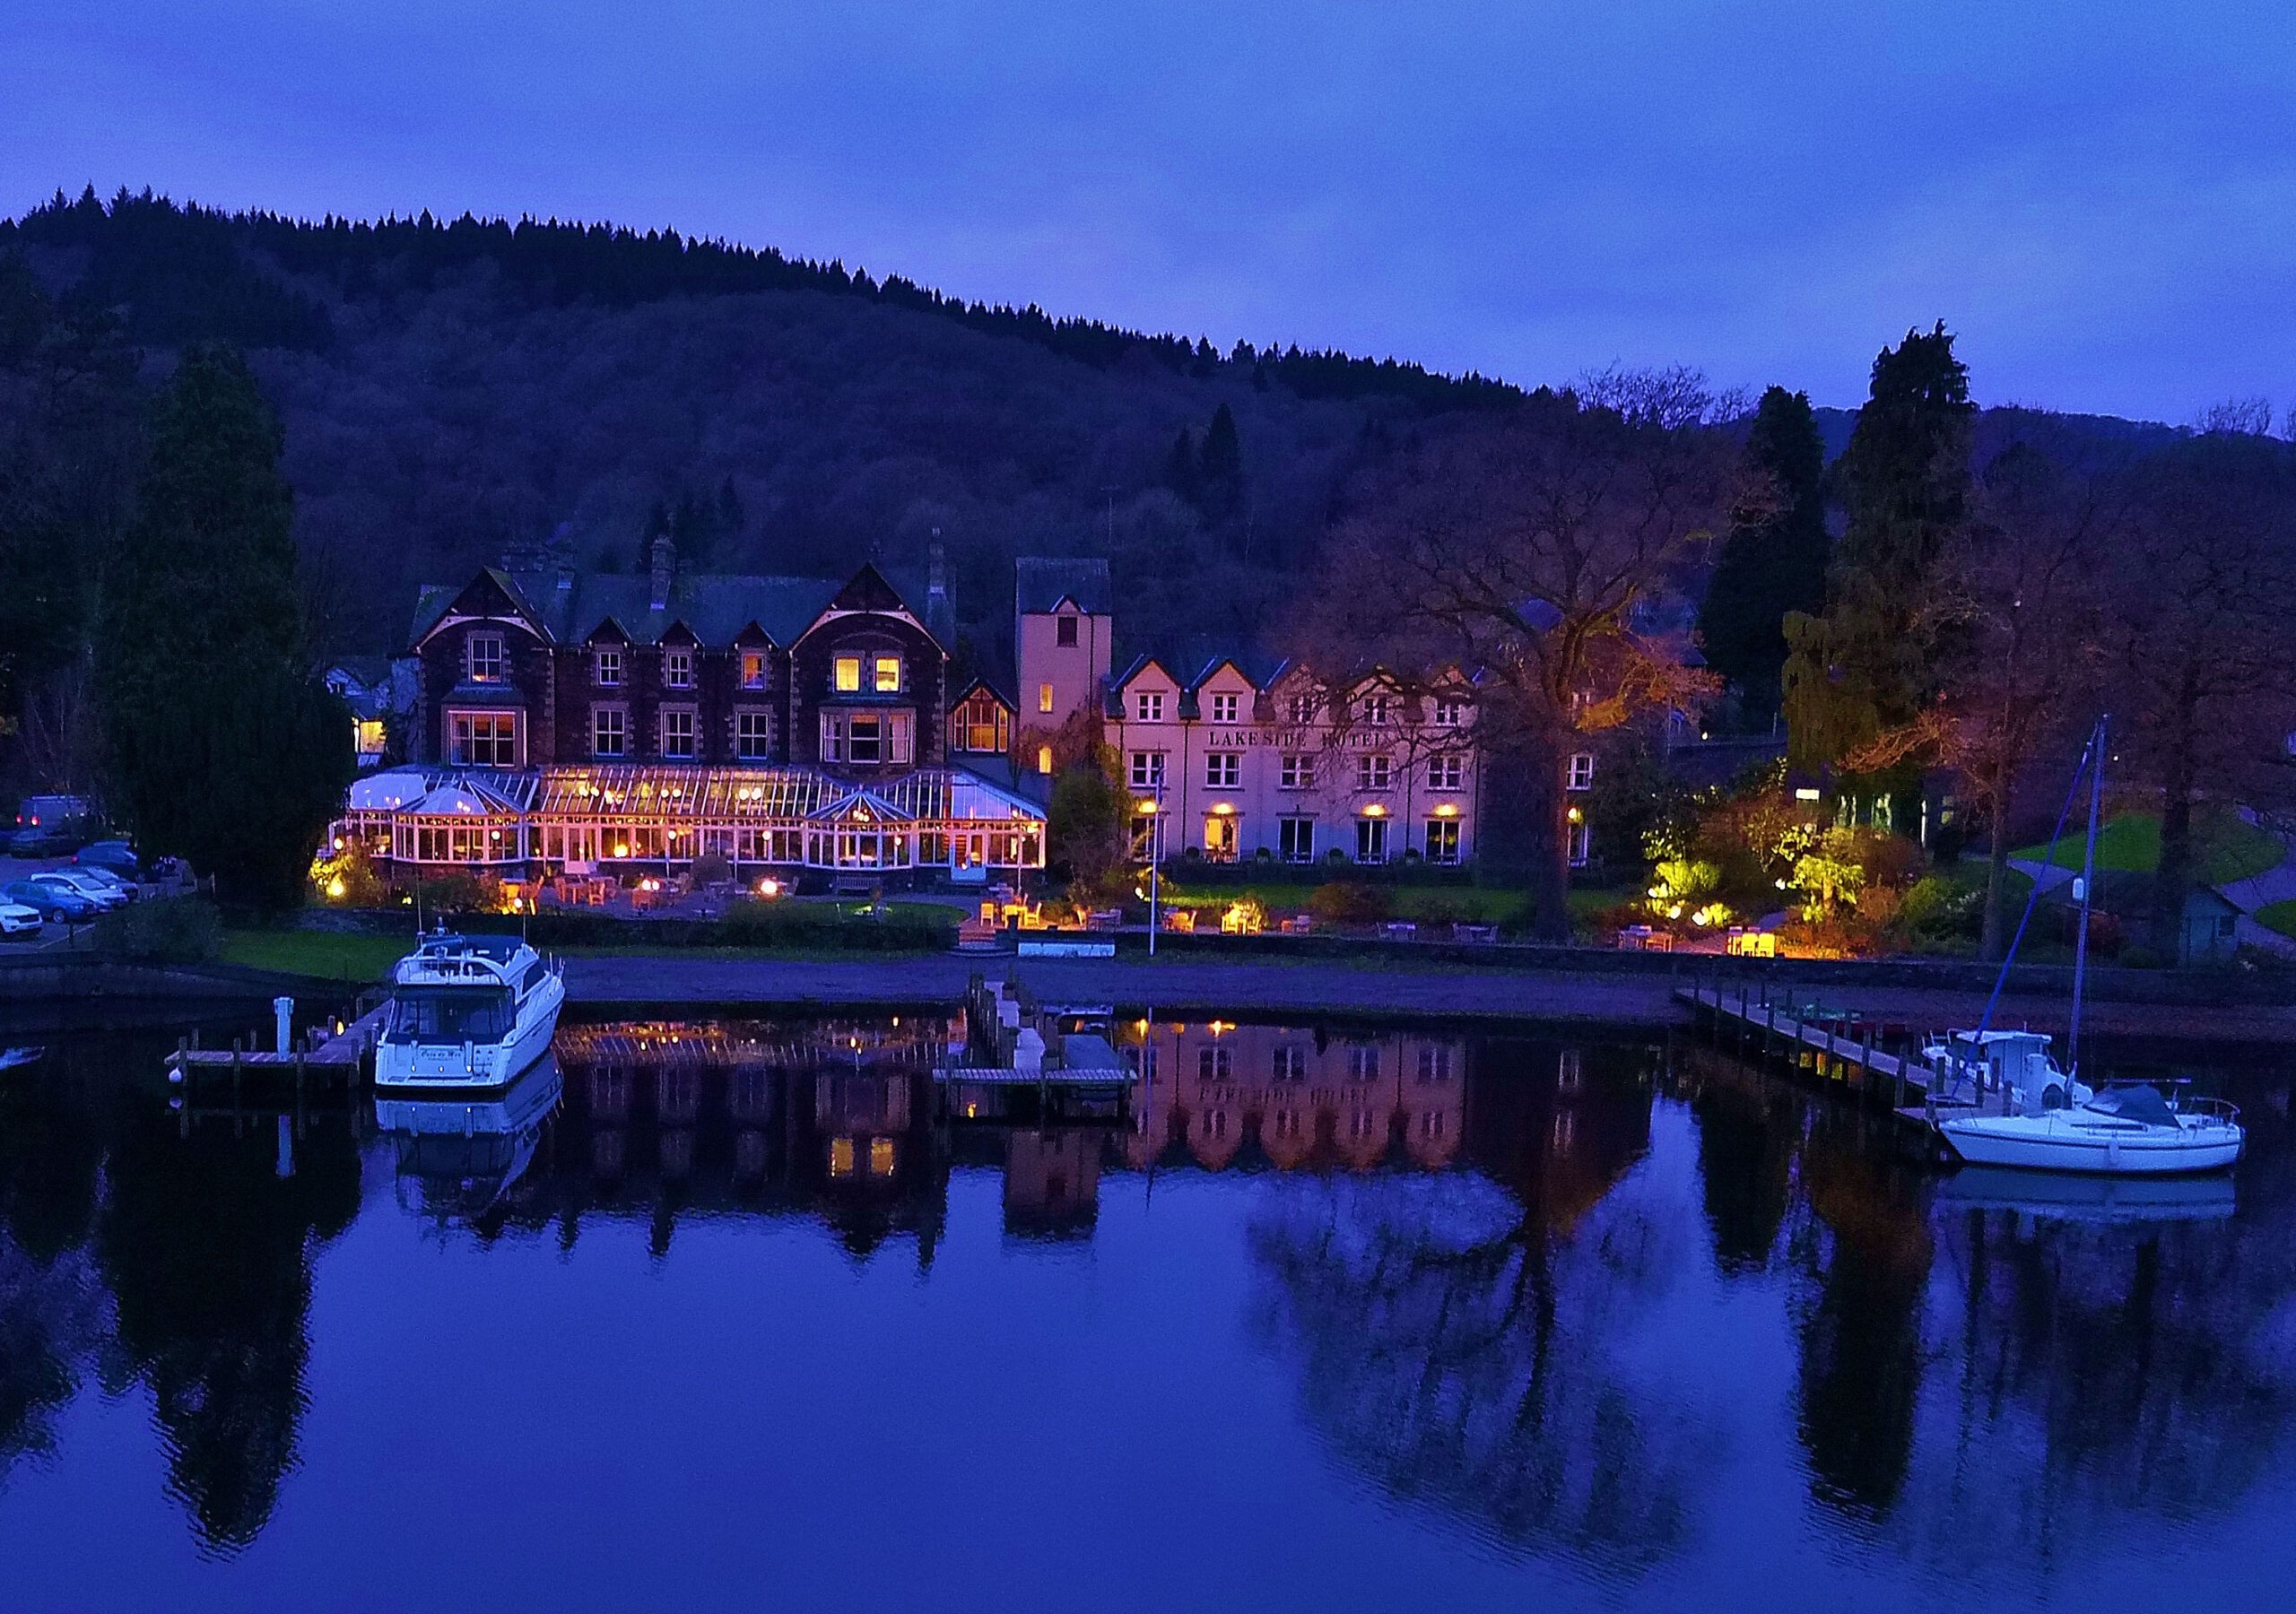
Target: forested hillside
[453,391]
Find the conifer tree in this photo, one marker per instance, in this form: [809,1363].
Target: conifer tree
[1868,665]
[1773,561]
[1180,472]
[225,749]
[1221,467]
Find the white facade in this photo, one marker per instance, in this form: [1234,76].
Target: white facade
[1292,773]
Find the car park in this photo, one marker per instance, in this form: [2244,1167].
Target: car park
[116,856]
[17,919]
[85,873]
[85,887]
[51,901]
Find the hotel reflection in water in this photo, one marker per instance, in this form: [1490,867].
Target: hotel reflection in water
[838,1119]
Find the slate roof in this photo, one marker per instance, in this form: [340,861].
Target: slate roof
[1190,661]
[714,607]
[1040,584]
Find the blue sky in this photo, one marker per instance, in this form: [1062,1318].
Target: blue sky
[2099,197]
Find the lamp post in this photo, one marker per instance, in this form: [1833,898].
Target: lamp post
[1153,808]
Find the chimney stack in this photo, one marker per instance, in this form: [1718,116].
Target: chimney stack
[665,567]
[936,569]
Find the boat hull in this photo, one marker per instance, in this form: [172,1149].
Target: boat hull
[2052,1143]
[461,1065]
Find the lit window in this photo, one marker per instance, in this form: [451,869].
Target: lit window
[1373,773]
[484,739]
[840,1156]
[677,669]
[486,658]
[847,675]
[753,736]
[1064,634]
[887,674]
[1297,772]
[753,670]
[1223,770]
[1582,770]
[1147,769]
[1044,758]
[678,727]
[1044,698]
[609,732]
[1148,706]
[881,1156]
[1223,708]
[1442,840]
[1445,773]
[609,669]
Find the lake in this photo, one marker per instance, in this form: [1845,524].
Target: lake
[724,1316]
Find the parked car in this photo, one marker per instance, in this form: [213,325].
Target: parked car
[50,901]
[116,856]
[85,886]
[82,873]
[17,918]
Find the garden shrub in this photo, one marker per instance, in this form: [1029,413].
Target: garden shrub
[161,930]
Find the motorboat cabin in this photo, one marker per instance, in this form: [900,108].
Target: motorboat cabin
[467,1012]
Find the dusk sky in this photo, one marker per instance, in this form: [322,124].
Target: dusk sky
[2100,197]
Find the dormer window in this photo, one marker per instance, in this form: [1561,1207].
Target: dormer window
[1303,708]
[486,658]
[608,666]
[1064,632]
[755,671]
[888,675]
[1148,706]
[1450,714]
[677,669]
[1378,710]
[1223,708]
[845,675]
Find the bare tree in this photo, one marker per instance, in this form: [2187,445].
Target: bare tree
[2204,673]
[1532,549]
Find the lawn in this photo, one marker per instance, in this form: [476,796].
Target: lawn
[2277,916]
[2230,847]
[1472,904]
[335,955]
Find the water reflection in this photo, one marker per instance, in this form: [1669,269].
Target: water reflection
[1488,1267]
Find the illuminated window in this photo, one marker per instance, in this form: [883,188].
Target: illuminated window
[486,658]
[1442,840]
[840,1156]
[881,1156]
[1044,758]
[847,675]
[1044,698]
[1064,634]
[483,739]
[1148,706]
[677,669]
[887,674]
[754,672]
[609,669]
[1223,708]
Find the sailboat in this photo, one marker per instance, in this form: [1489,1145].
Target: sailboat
[2048,1120]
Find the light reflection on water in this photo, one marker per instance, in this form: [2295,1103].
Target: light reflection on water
[1511,1317]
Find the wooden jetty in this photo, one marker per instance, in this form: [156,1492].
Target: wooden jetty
[1860,1059]
[344,1054]
[1014,1043]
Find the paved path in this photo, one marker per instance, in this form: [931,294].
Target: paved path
[1329,988]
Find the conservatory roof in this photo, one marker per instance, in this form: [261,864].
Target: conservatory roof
[784,793]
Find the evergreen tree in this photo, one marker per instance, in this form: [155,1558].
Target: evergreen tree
[225,749]
[1868,665]
[1773,561]
[1180,473]
[1220,468]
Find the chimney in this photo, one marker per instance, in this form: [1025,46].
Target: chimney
[936,569]
[665,567]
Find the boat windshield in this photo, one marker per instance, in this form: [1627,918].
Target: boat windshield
[2137,1103]
[449,1014]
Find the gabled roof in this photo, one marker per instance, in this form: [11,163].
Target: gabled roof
[568,607]
[1039,585]
[981,681]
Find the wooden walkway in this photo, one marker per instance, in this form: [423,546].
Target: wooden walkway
[342,1053]
[1901,1080]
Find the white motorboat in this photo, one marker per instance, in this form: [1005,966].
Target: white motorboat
[2046,1120]
[467,1012]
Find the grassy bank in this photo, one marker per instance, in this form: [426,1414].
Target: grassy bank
[2231,848]
[334,955]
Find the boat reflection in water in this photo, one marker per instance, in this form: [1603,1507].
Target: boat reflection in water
[2060,1196]
[458,1155]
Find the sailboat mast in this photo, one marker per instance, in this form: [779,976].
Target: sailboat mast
[2087,894]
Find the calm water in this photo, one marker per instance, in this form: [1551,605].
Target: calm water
[721,1318]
